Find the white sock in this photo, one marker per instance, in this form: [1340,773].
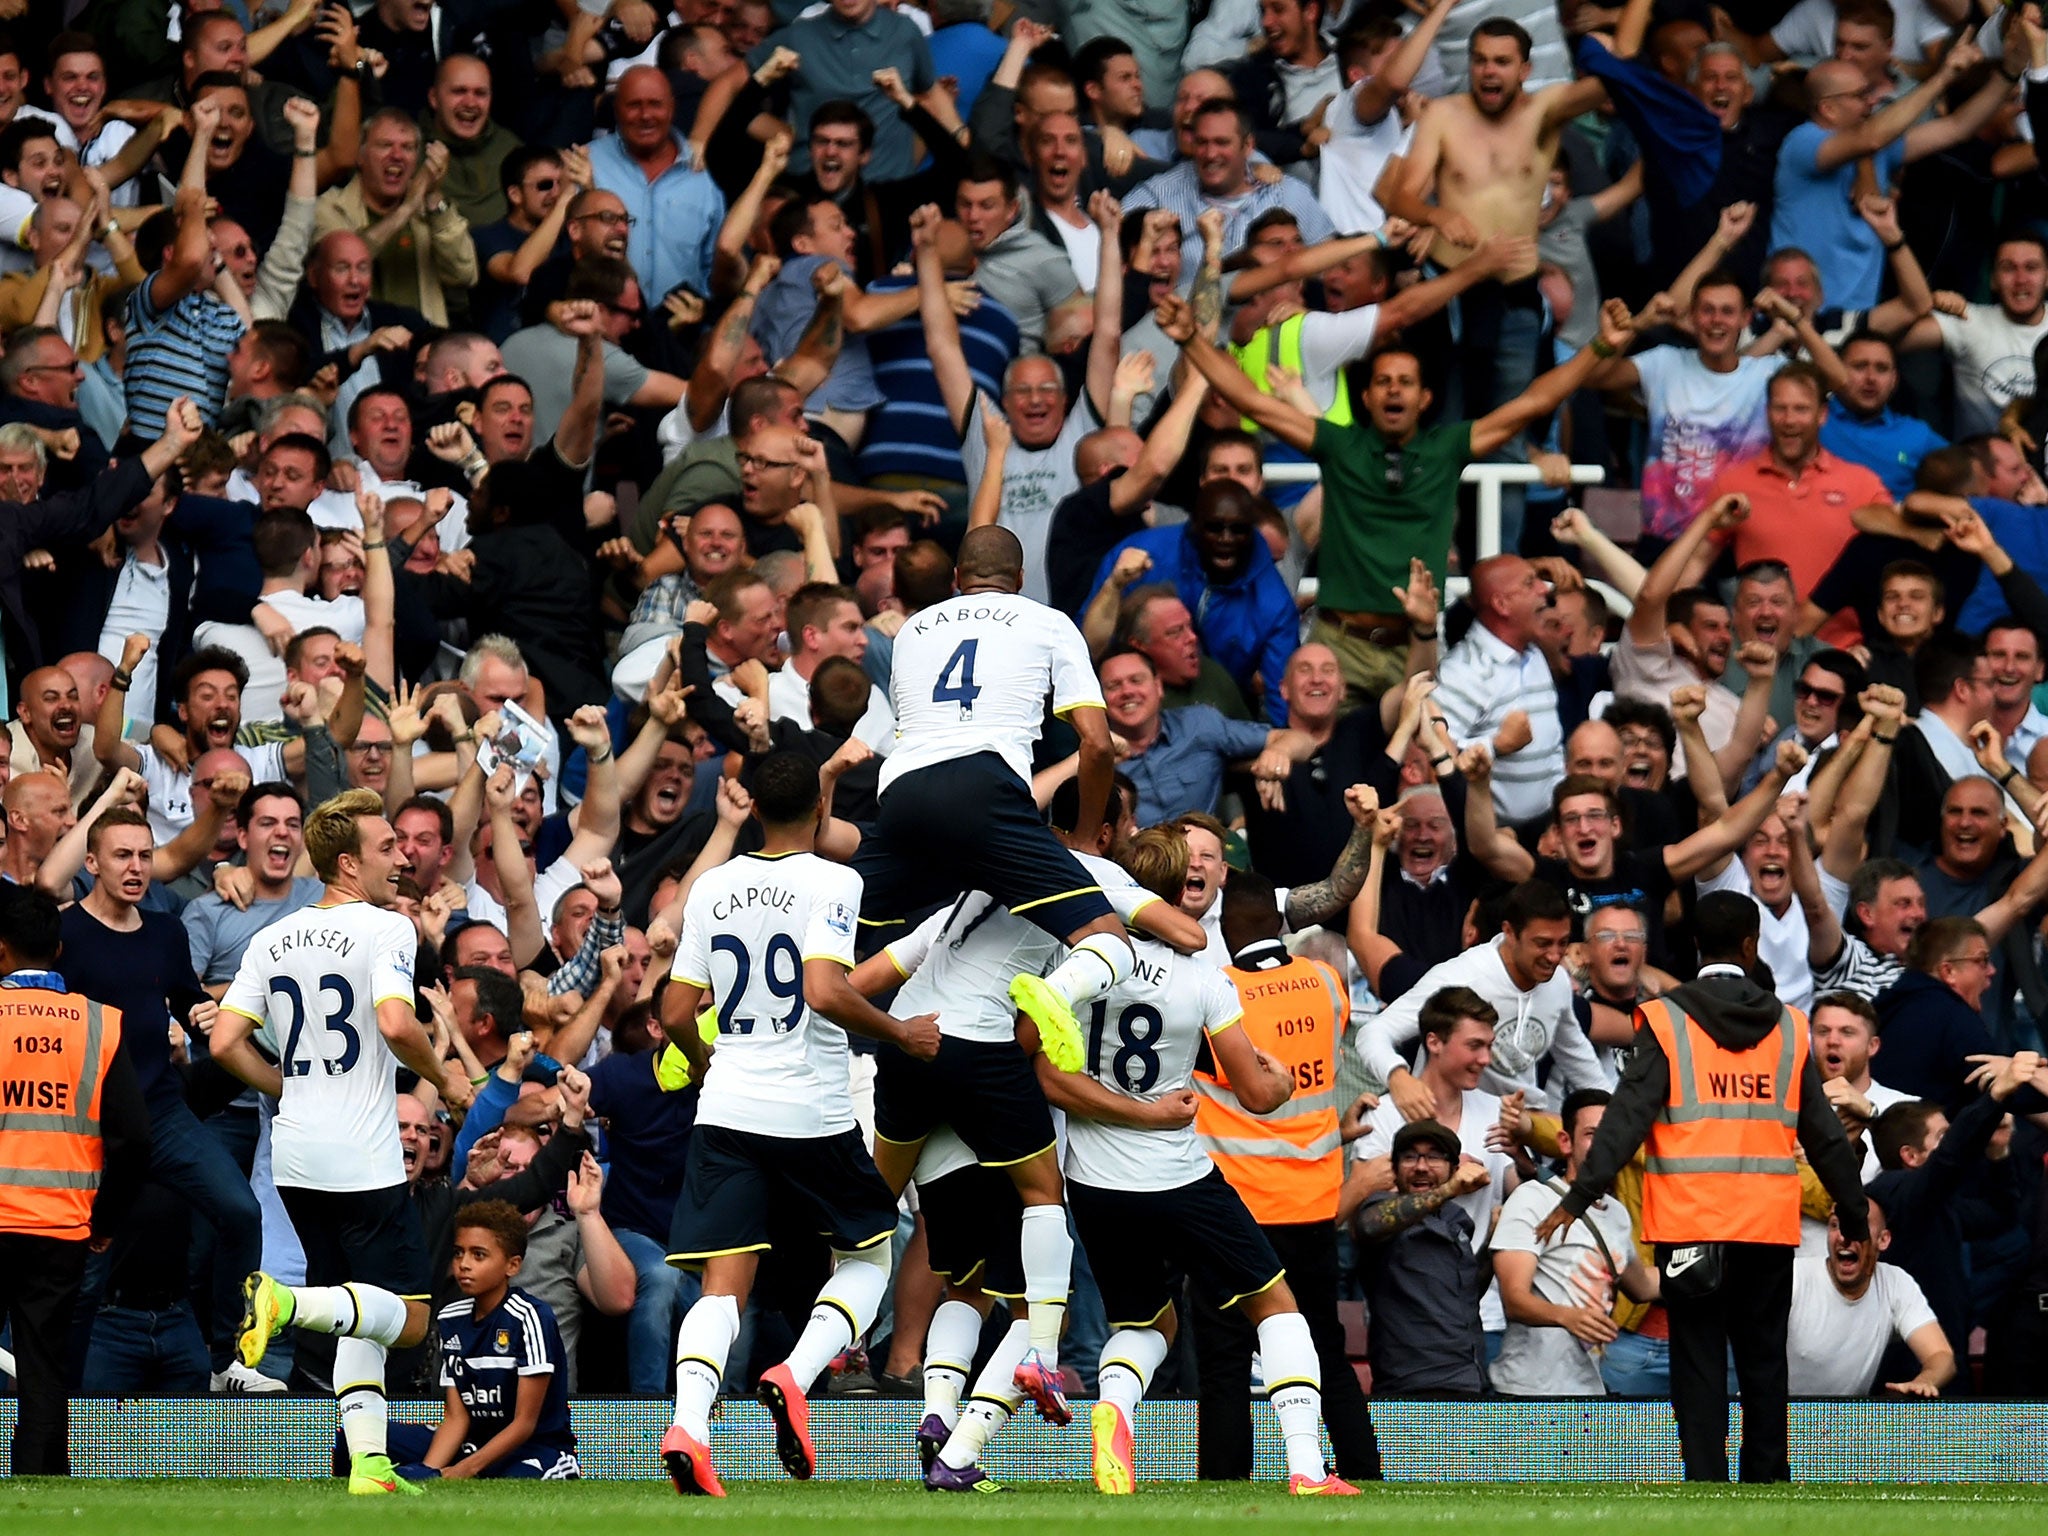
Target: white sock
[1047,1248]
[702,1344]
[949,1346]
[352,1311]
[1096,964]
[846,1309]
[995,1398]
[1294,1386]
[1128,1362]
[359,1389]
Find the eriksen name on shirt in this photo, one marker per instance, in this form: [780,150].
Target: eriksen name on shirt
[319,938]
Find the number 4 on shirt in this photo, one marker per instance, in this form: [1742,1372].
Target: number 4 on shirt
[966,691]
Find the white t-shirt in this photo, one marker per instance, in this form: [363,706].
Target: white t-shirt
[1833,1346]
[1807,32]
[1035,482]
[344,615]
[1532,1024]
[748,928]
[312,983]
[263,694]
[955,696]
[1143,1037]
[1083,247]
[1701,422]
[170,793]
[141,606]
[1994,363]
[1479,1113]
[1328,342]
[1353,161]
[1550,1362]
[789,698]
[1782,945]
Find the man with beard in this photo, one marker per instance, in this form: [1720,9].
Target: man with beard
[1991,346]
[1678,636]
[419,241]
[208,687]
[1224,571]
[1847,1308]
[1592,871]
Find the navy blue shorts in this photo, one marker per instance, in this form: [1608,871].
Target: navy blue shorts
[971,825]
[988,1093]
[370,1236]
[734,1177]
[1140,1240]
[973,1218]
[407,1445]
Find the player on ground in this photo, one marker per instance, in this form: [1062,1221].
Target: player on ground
[330,988]
[960,964]
[969,683]
[769,938]
[1150,1205]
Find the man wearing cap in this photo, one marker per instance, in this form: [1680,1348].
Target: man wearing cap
[1422,1277]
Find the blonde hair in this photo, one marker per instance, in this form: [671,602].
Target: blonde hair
[334,828]
[1157,858]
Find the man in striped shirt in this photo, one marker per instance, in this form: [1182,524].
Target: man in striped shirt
[180,331]
[1495,686]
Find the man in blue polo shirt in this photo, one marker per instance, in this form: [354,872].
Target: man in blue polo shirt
[1177,757]
[1861,425]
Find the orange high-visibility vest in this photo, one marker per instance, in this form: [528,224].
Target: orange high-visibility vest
[55,1049]
[1719,1164]
[1287,1166]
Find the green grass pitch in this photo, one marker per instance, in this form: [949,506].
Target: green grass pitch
[84,1507]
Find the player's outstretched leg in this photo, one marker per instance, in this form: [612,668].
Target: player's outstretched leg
[988,1409]
[366,1321]
[1128,1360]
[1294,1386]
[703,1341]
[845,1311]
[949,1346]
[1046,1247]
[1101,957]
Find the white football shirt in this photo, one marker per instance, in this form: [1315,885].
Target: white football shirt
[312,983]
[1143,1037]
[971,675]
[778,1069]
[960,960]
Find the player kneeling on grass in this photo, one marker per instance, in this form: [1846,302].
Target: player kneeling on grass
[501,1361]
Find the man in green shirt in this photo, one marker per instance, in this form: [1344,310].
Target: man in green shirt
[1390,485]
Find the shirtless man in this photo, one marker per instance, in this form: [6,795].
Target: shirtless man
[1489,153]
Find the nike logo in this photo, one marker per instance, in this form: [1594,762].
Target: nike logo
[1682,1259]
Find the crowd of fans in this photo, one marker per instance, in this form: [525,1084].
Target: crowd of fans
[536,410]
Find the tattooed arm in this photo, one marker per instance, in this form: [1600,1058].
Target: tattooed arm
[1206,297]
[818,348]
[1308,905]
[1387,1218]
[711,381]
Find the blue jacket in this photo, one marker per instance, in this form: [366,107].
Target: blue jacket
[1929,1036]
[1250,625]
[2022,532]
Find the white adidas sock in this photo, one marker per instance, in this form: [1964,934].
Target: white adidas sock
[351,1311]
[1096,964]
[359,1390]
[846,1309]
[702,1344]
[1294,1386]
[1129,1360]
[1047,1249]
[949,1346]
[994,1399]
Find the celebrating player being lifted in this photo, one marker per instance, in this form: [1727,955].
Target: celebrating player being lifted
[960,964]
[769,938]
[969,683]
[329,991]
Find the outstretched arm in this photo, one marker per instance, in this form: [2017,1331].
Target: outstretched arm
[1555,387]
[941,328]
[1294,427]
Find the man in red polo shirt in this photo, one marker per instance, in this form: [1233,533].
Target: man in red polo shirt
[1800,497]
